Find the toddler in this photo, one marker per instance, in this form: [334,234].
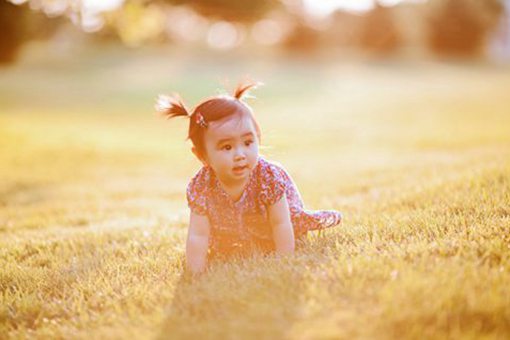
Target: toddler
[239,200]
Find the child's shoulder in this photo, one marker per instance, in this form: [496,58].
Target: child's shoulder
[273,181]
[197,190]
[270,169]
[200,179]
[271,165]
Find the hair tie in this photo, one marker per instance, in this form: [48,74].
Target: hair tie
[200,120]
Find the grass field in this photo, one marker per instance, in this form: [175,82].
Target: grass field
[93,215]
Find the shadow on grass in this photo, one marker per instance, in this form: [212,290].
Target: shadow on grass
[259,297]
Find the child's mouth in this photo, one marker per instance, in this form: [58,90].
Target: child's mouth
[239,169]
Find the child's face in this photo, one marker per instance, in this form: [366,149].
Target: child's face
[232,148]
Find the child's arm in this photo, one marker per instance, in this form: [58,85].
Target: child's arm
[197,243]
[283,232]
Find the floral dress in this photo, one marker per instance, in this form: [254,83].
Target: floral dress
[242,225]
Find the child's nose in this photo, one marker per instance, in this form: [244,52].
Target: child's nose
[239,154]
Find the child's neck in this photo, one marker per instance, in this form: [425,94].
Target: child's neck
[234,190]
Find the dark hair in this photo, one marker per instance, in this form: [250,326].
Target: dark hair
[210,110]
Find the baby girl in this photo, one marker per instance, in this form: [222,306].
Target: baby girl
[239,201]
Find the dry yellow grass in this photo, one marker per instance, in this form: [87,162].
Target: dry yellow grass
[93,215]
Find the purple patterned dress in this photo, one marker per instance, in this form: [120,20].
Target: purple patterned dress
[239,226]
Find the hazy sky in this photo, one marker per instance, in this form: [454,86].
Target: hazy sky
[102,5]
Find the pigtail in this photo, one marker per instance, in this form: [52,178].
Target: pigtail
[171,106]
[242,90]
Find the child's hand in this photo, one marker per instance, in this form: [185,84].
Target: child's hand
[197,243]
[193,276]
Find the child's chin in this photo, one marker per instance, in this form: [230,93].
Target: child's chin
[239,176]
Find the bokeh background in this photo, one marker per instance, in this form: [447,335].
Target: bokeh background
[394,112]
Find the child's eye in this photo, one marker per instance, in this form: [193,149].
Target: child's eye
[248,142]
[226,147]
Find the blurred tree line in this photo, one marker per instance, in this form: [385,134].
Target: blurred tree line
[459,27]
[18,24]
[230,10]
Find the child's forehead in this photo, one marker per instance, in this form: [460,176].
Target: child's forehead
[231,127]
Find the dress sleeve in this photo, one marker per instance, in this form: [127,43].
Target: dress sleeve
[272,184]
[196,193]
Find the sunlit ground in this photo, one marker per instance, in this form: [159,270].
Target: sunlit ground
[93,215]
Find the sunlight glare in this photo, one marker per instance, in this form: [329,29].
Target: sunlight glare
[326,7]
